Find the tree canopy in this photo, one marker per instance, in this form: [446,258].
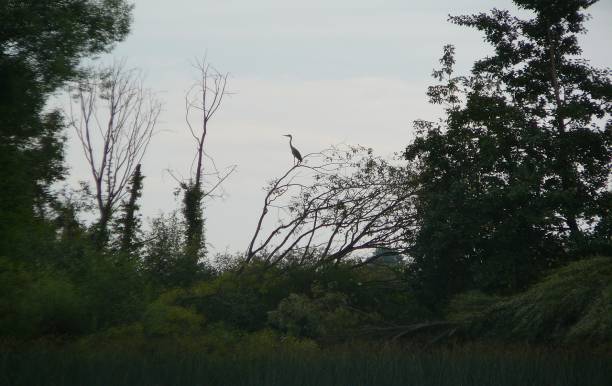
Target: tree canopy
[41,45]
[493,226]
[514,180]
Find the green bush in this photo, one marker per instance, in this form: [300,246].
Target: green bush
[53,306]
[573,304]
[296,315]
[241,300]
[14,281]
[470,306]
[114,290]
[596,323]
[36,303]
[328,316]
[163,318]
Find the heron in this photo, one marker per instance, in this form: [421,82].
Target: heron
[294,151]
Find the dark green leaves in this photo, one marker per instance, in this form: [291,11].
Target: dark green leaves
[512,180]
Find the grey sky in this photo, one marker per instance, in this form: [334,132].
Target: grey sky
[329,72]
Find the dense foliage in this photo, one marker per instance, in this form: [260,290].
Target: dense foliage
[515,179]
[571,304]
[41,44]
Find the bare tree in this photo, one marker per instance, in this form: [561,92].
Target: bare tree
[202,101]
[114,117]
[341,202]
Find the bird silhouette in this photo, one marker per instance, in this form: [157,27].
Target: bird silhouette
[294,151]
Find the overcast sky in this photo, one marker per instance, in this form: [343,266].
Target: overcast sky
[326,71]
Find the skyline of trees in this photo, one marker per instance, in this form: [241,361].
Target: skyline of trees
[503,205]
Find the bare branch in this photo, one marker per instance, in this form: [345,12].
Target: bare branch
[339,202]
[202,101]
[115,122]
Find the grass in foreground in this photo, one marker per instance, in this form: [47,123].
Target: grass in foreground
[380,367]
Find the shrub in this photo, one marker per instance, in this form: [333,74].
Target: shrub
[51,305]
[163,318]
[572,304]
[470,306]
[35,302]
[329,316]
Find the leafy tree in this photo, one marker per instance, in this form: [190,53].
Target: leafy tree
[162,318]
[165,261]
[515,178]
[163,249]
[41,44]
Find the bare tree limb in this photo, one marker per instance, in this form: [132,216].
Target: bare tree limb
[202,101]
[115,122]
[351,201]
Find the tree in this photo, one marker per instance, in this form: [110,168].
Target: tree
[115,123]
[164,254]
[515,178]
[332,205]
[202,102]
[41,44]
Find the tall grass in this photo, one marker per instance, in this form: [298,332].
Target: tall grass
[380,367]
